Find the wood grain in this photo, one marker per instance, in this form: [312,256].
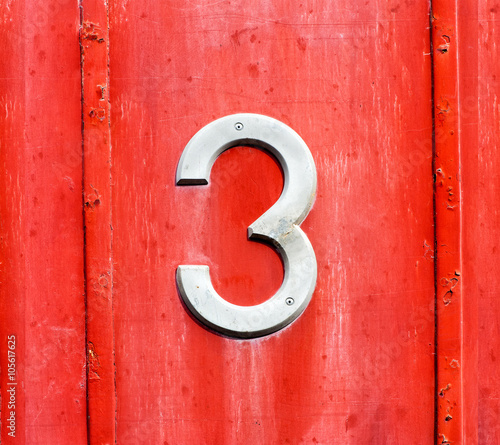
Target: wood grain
[41,236]
[355,82]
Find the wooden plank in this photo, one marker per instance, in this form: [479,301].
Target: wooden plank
[483,235]
[41,275]
[357,367]
[455,43]
[98,230]
[448,222]
[471,197]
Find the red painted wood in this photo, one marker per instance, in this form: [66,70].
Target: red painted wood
[98,230]
[354,81]
[41,238]
[448,222]
[472,195]
[455,40]
[484,224]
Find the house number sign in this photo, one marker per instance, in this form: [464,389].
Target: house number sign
[278,226]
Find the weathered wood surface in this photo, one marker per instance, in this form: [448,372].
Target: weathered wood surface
[41,229]
[369,361]
[355,82]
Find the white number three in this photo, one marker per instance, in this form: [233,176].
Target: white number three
[278,226]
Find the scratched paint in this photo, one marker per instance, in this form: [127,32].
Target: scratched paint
[482,116]
[101,399]
[461,417]
[350,80]
[41,237]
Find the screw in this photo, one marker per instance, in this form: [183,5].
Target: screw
[238,126]
[289,301]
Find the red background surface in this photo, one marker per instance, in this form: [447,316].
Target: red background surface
[350,80]
[41,237]
[356,82]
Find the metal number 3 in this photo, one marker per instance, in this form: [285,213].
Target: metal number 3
[278,226]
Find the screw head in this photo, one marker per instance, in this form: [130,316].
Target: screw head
[289,301]
[238,126]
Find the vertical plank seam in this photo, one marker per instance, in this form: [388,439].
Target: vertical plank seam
[449,422]
[460,228]
[111,260]
[98,230]
[84,229]
[434,219]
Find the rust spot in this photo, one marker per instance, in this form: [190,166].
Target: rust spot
[444,440]
[92,203]
[445,46]
[98,113]
[443,390]
[447,297]
[451,284]
[93,199]
[91,31]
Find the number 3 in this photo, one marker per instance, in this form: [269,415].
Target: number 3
[278,226]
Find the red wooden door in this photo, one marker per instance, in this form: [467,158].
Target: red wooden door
[333,72]
[387,351]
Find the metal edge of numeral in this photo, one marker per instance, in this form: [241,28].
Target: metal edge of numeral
[278,226]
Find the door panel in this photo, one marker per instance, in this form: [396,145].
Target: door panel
[42,301]
[357,366]
[483,186]
[370,361]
